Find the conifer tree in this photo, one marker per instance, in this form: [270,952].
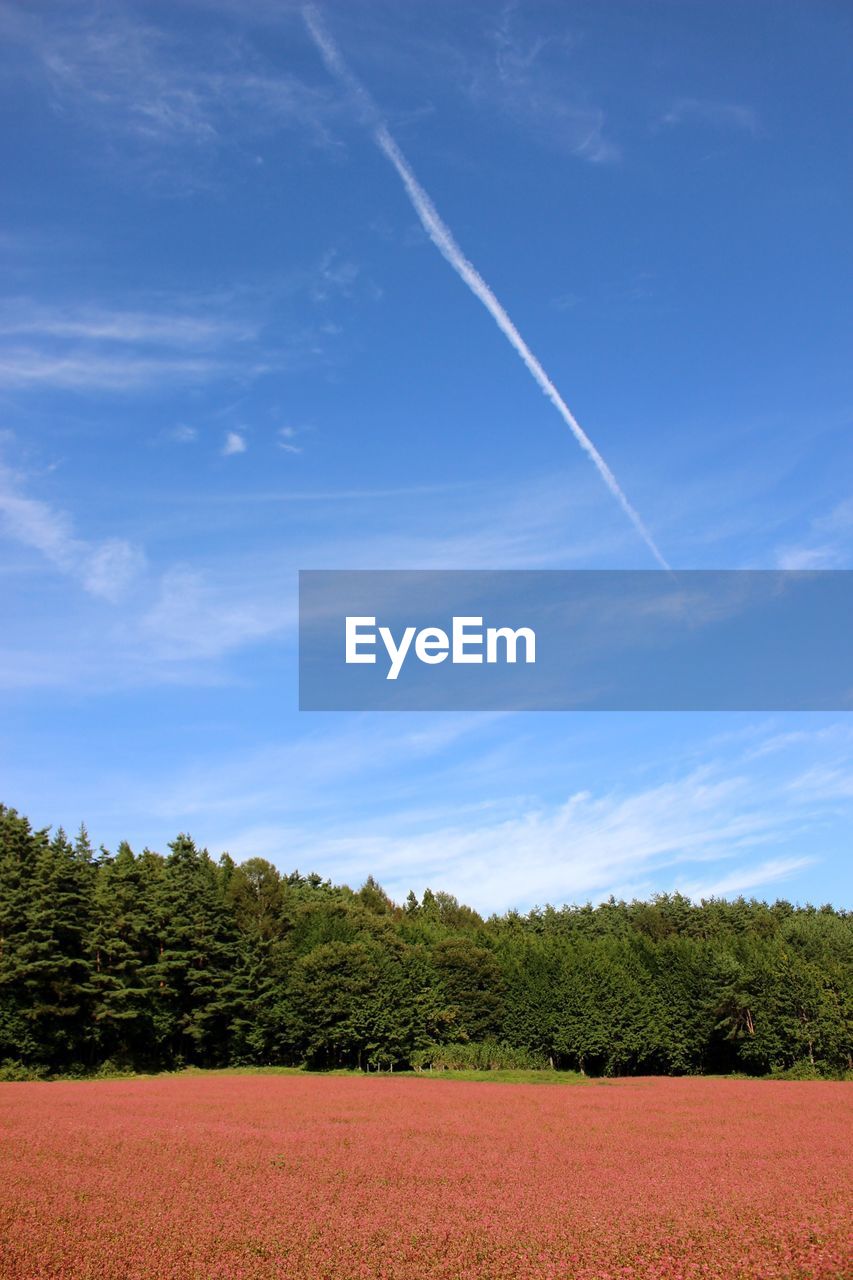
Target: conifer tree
[20,848]
[122,997]
[196,957]
[54,952]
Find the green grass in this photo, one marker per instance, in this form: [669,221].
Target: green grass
[480,1077]
[504,1077]
[485,1077]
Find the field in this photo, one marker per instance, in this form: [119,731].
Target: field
[254,1177]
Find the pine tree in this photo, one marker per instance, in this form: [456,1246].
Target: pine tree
[54,953]
[20,849]
[196,959]
[122,996]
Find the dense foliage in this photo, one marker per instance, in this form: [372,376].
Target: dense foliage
[154,962]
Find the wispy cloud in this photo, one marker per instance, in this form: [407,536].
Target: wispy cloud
[197,618]
[336,276]
[745,879]
[234,443]
[170,326]
[239,333]
[838,736]
[532,80]
[127,76]
[705,831]
[586,847]
[27,367]
[96,348]
[286,437]
[809,557]
[182,434]
[104,568]
[828,544]
[713,114]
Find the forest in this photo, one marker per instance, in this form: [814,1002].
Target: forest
[144,961]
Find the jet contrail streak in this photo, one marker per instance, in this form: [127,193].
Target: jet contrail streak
[443,239]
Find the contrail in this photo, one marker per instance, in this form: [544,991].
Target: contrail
[443,239]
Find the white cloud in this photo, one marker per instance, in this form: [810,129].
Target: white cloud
[234,443]
[109,568]
[705,831]
[23,368]
[586,847]
[197,619]
[236,334]
[529,79]
[335,276]
[286,436]
[719,115]
[127,76]
[804,558]
[828,544]
[105,569]
[745,879]
[169,326]
[98,348]
[183,434]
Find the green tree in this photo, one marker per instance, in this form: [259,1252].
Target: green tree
[54,972]
[472,983]
[122,996]
[195,960]
[20,851]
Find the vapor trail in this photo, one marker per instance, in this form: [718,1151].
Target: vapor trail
[443,239]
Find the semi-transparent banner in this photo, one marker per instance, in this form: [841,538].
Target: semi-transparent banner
[554,640]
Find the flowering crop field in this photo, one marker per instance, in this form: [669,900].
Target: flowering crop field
[342,1178]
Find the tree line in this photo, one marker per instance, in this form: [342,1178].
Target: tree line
[149,962]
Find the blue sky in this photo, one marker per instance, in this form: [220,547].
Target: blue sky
[229,350]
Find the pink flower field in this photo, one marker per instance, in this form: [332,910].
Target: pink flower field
[255,1177]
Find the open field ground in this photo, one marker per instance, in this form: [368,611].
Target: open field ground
[254,1177]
